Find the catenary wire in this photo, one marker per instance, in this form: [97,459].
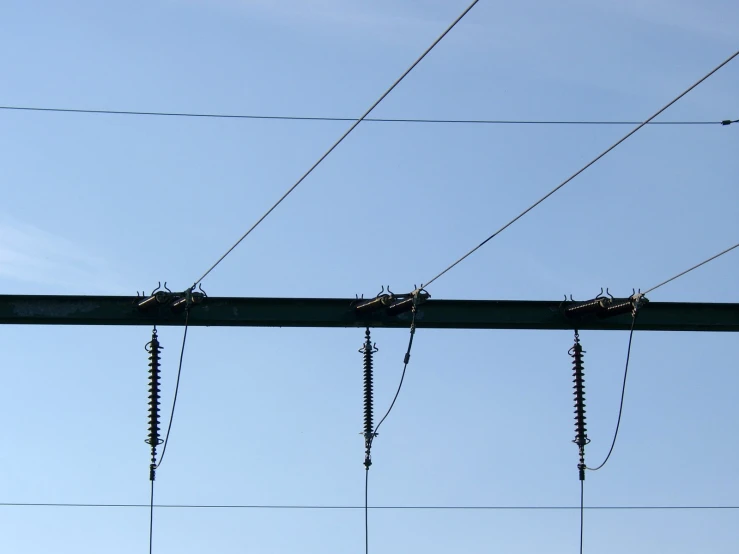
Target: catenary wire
[692,268]
[339,141]
[586,166]
[623,392]
[347,507]
[176,387]
[366,119]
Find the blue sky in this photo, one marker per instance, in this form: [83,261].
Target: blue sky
[103,204]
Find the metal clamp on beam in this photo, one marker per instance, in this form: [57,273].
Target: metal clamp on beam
[188,298]
[392,303]
[156,297]
[381,301]
[407,302]
[597,306]
[604,307]
[628,305]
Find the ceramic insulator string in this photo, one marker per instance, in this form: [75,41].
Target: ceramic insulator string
[153,439]
[581,432]
[367,350]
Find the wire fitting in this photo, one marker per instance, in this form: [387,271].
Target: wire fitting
[189,298]
[393,304]
[409,302]
[605,306]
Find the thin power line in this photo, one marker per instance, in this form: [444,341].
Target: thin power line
[367,119]
[692,268]
[151,518]
[346,507]
[581,170]
[366,511]
[582,511]
[339,141]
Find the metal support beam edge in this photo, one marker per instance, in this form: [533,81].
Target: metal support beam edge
[329,312]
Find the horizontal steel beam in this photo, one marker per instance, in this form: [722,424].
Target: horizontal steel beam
[328,312]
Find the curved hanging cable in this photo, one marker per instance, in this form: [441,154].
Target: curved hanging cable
[623,392]
[176,388]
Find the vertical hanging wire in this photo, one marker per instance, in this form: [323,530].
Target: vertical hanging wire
[151,518]
[366,512]
[582,510]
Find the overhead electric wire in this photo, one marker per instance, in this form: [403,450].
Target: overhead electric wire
[582,511]
[696,266]
[366,511]
[623,392]
[344,507]
[367,119]
[339,141]
[151,518]
[586,166]
[176,388]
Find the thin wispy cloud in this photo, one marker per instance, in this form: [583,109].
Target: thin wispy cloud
[710,20]
[395,22]
[31,255]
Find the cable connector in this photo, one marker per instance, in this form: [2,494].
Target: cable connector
[638,300]
[409,302]
[188,298]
